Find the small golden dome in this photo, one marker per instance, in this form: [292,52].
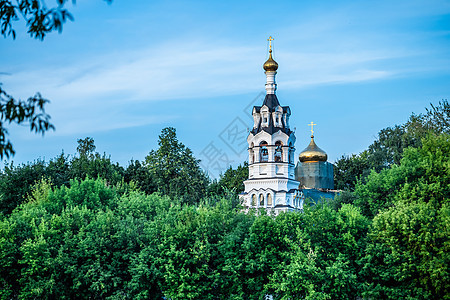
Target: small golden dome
[270,64]
[312,153]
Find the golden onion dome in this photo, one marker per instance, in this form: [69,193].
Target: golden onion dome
[312,153]
[270,64]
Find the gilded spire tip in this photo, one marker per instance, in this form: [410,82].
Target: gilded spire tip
[270,39]
[312,128]
[270,64]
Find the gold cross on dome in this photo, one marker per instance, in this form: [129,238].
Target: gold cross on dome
[270,39]
[312,127]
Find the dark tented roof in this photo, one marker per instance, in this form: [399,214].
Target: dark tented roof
[271,101]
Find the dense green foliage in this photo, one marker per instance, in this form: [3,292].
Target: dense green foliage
[230,181]
[95,240]
[422,172]
[325,250]
[171,170]
[84,227]
[16,181]
[408,254]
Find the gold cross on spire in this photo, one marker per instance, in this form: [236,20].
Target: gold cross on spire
[312,128]
[270,39]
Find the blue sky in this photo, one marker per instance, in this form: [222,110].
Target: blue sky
[120,73]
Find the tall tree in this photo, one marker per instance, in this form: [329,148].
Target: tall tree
[86,146]
[426,164]
[93,164]
[175,170]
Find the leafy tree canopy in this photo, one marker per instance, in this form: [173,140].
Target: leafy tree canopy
[86,146]
[175,170]
[16,181]
[407,257]
[95,240]
[232,181]
[425,170]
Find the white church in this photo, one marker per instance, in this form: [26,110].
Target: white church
[272,183]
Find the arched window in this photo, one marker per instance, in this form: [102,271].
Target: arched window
[265,117]
[269,200]
[277,119]
[263,152]
[261,200]
[253,200]
[278,151]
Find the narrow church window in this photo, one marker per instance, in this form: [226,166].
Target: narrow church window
[253,200]
[278,151]
[263,152]
[269,200]
[278,120]
[261,200]
[290,154]
[265,119]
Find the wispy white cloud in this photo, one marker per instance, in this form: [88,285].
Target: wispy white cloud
[177,71]
[91,95]
[95,92]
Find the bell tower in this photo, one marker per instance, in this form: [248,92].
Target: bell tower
[271,183]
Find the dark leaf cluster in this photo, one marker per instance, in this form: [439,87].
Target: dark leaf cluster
[231,181]
[29,112]
[40,19]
